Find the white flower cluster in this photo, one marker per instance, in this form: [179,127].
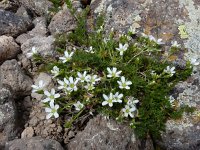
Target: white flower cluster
[50,98]
[170,70]
[117,97]
[83,80]
[130,107]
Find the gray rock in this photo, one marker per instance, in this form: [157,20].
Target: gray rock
[27,133]
[39,7]
[22,38]
[24,62]
[183,134]
[5,94]
[103,134]
[43,45]
[40,29]
[13,76]
[7,116]
[62,22]
[13,25]
[34,143]
[22,12]
[8,48]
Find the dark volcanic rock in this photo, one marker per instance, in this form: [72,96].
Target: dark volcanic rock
[103,134]
[38,7]
[7,115]
[13,25]
[34,143]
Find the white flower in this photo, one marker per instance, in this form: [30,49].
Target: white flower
[132,30]
[78,106]
[89,86]
[171,71]
[72,84]
[67,56]
[113,72]
[194,62]
[93,78]
[100,29]
[38,87]
[55,71]
[90,50]
[145,35]
[108,100]
[122,48]
[153,73]
[171,100]
[128,111]
[33,52]
[158,41]
[82,77]
[105,40]
[175,44]
[51,96]
[63,84]
[132,101]
[117,97]
[52,111]
[123,84]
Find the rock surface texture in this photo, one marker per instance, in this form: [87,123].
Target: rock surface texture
[13,76]
[7,116]
[43,45]
[13,25]
[62,22]
[38,7]
[103,134]
[35,143]
[8,48]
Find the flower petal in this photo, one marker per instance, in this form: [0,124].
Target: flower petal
[104,103]
[48,116]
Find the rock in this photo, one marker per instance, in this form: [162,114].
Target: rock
[103,134]
[38,7]
[8,5]
[7,115]
[43,45]
[23,38]
[24,62]
[13,25]
[22,12]
[27,133]
[34,143]
[13,76]
[8,48]
[185,132]
[62,22]
[48,84]
[40,29]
